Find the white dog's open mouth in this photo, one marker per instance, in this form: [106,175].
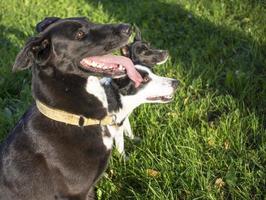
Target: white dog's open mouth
[165,98]
[108,64]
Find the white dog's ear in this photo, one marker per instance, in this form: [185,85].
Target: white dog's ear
[36,50]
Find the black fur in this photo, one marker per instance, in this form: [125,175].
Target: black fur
[141,52]
[44,159]
[45,23]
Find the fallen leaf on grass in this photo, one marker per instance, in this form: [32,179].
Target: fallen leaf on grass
[152,173]
[219,183]
[246,19]
[111,173]
[186,101]
[211,142]
[172,114]
[226,144]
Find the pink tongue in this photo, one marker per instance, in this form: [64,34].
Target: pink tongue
[114,61]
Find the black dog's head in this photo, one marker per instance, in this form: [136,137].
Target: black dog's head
[141,52]
[66,45]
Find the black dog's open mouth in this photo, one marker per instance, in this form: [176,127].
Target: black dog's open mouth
[165,98]
[106,64]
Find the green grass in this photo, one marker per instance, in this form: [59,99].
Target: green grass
[215,128]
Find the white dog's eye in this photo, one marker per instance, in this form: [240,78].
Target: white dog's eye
[80,34]
[146,79]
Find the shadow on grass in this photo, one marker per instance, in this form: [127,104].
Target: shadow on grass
[211,57]
[226,60]
[14,88]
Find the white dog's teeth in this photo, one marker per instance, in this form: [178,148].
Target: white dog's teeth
[86,62]
[93,64]
[121,67]
[101,65]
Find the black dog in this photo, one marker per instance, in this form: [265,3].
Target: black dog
[44,157]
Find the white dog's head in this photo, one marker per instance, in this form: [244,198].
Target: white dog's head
[154,89]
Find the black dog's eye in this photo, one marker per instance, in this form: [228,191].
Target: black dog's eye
[79,35]
[145,48]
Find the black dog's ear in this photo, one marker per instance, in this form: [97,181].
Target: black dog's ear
[138,34]
[125,51]
[45,23]
[36,50]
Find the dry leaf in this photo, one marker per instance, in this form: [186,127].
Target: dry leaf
[211,142]
[112,173]
[172,114]
[152,173]
[219,183]
[186,101]
[226,144]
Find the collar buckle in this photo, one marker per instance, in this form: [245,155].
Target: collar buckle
[114,118]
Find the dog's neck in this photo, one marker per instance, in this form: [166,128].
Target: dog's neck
[120,105]
[129,104]
[66,92]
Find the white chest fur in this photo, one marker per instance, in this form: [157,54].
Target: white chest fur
[94,87]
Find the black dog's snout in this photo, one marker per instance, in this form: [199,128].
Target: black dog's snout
[175,83]
[125,29]
[165,53]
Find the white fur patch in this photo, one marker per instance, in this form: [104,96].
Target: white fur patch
[119,141]
[106,81]
[117,134]
[95,88]
[127,129]
[108,142]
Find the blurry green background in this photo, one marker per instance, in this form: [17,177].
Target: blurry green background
[207,144]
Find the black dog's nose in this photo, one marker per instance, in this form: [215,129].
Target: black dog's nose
[175,83]
[165,54]
[125,29]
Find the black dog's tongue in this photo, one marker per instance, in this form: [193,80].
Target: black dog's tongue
[115,62]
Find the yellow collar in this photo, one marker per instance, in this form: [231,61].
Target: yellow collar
[69,118]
